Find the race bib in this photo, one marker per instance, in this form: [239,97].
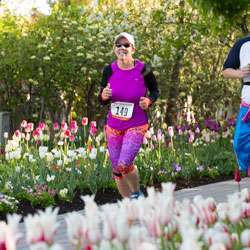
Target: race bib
[122,110]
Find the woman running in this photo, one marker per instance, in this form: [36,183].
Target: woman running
[130,87]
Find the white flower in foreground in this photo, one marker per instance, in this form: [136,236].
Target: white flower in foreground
[56,247]
[190,244]
[217,246]
[222,211]
[222,238]
[41,227]
[245,238]
[109,215]
[235,211]
[105,245]
[138,238]
[76,228]
[122,226]
[9,232]
[44,246]
[146,246]
[93,219]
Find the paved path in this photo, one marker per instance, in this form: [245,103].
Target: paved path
[219,191]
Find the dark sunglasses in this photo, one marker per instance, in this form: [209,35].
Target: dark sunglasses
[125,45]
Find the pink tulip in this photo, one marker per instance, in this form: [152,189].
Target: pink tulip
[27,137]
[71,138]
[191,136]
[73,127]
[197,130]
[148,134]
[18,134]
[180,132]
[41,125]
[24,124]
[159,135]
[55,126]
[246,210]
[93,130]
[37,133]
[145,140]
[64,125]
[30,127]
[93,124]
[85,121]
[154,226]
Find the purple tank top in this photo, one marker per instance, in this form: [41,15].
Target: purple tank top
[128,86]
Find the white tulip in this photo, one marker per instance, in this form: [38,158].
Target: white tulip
[245,238]
[42,151]
[41,226]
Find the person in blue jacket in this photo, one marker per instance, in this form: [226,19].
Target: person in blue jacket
[237,66]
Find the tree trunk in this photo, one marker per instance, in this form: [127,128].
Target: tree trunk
[91,101]
[171,111]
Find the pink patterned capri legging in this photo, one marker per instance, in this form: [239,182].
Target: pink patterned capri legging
[123,146]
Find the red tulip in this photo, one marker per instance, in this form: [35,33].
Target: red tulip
[237,175]
[67,133]
[88,247]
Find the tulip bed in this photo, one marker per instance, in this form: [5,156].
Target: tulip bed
[44,164]
[158,221]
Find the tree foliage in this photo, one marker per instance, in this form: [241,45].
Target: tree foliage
[56,62]
[230,12]
[228,8]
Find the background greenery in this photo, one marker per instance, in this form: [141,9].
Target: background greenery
[52,65]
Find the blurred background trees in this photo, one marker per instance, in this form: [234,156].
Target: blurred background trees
[51,64]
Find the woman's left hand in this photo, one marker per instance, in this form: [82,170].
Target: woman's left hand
[144,103]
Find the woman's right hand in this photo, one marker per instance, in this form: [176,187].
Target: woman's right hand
[106,93]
